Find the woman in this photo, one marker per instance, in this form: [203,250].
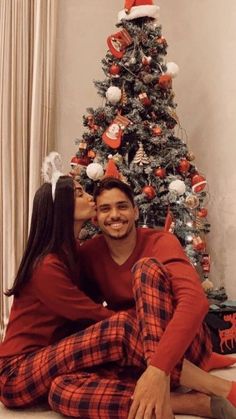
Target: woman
[47,303]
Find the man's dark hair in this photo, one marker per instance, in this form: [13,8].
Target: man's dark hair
[51,231]
[109,183]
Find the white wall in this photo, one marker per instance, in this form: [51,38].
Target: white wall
[202,39]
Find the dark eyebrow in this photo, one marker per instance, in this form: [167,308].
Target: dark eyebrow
[117,203]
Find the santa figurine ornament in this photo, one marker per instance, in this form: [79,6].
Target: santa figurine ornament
[134,9]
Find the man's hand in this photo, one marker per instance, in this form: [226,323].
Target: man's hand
[151,398]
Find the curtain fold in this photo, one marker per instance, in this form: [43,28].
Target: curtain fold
[27,57]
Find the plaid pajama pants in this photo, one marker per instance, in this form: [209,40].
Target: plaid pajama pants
[26,379]
[106,394]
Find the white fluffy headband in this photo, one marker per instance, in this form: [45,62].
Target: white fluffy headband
[51,170]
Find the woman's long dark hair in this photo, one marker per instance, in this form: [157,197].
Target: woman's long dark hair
[51,231]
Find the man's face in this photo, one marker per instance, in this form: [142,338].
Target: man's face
[116,215]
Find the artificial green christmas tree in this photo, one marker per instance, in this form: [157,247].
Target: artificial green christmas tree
[136,130]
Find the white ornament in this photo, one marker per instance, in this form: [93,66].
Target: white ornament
[177,186]
[94,171]
[172,69]
[113,94]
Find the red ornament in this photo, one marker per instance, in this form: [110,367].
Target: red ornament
[160,172]
[198,183]
[199,244]
[114,70]
[183,166]
[206,263]
[202,213]
[156,130]
[165,81]
[149,191]
[146,60]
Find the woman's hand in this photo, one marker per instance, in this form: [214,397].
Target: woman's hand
[151,398]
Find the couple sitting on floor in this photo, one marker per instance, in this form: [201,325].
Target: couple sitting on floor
[124,360]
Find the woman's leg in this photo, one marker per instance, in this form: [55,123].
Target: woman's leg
[113,340]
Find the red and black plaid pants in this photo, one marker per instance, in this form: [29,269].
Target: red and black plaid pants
[66,369]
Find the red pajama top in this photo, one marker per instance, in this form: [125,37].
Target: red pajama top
[113,283]
[46,309]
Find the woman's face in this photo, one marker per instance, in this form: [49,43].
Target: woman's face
[84,204]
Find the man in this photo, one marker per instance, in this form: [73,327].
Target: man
[108,260]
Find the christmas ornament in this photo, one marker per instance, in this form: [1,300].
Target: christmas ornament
[118,42]
[82,145]
[146,60]
[144,99]
[177,186]
[172,69]
[156,130]
[169,222]
[190,156]
[198,183]
[111,168]
[134,9]
[202,213]
[114,70]
[94,171]
[198,243]
[183,166]
[160,172]
[118,158]
[161,40]
[148,78]
[90,120]
[207,285]
[149,191]
[141,157]
[191,201]
[206,263]
[165,81]
[91,154]
[113,134]
[113,94]
[124,97]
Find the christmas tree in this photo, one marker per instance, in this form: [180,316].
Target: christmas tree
[135,134]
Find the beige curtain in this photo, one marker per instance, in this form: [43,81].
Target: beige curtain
[27,52]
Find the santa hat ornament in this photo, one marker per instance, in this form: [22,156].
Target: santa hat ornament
[134,9]
[111,168]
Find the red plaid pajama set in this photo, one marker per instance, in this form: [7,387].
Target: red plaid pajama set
[83,375]
[107,393]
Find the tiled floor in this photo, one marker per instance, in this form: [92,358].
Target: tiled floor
[44,413]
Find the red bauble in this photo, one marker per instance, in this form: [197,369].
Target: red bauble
[149,191]
[183,166]
[206,263]
[156,130]
[165,81]
[198,183]
[160,172]
[202,213]
[146,60]
[199,244]
[114,70]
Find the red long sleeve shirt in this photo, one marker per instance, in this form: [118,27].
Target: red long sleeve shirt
[45,308]
[113,283]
